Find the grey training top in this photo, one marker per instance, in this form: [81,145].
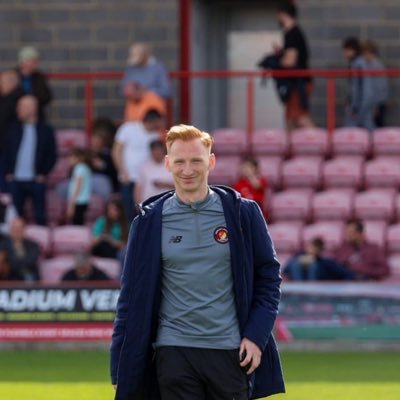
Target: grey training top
[197,303]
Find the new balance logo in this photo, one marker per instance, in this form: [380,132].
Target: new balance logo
[175,239]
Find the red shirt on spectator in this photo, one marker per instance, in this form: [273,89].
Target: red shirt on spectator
[247,190]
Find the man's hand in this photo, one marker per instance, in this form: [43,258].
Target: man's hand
[253,355]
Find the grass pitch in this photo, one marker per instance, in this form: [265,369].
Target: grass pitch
[83,375]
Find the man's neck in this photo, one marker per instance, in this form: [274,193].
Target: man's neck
[195,197]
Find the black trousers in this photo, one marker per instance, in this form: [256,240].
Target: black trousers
[79,214]
[200,374]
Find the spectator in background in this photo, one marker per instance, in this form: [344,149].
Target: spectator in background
[311,265]
[140,100]
[10,92]
[366,261]
[33,81]
[110,232]
[144,69]
[80,186]
[7,213]
[84,270]
[295,55]
[106,128]
[23,254]
[6,272]
[154,178]
[360,108]
[251,184]
[30,155]
[131,149]
[380,83]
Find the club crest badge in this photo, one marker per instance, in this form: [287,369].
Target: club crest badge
[221,235]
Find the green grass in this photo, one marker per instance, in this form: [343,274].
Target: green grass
[83,375]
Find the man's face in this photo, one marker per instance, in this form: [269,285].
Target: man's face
[190,163]
[83,268]
[28,67]
[158,154]
[17,229]
[352,235]
[348,54]
[26,108]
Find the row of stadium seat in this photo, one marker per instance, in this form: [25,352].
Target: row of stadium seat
[310,141]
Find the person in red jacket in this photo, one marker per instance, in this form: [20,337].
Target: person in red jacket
[251,185]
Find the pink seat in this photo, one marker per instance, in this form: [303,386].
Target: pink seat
[374,204]
[226,170]
[302,172]
[270,142]
[343,172]
[394,264]
[386,141]
[393,238]
[55,207]
[382,172]
[109,266]
[51,271]
[333,204]
[310,141]
[70,239]
[70,138]
[330,231]
[286,236]
[59,172]
[270,167]
[96,208]
[229,141]
[351,141]
[41,235]
[291,204]
[375,232]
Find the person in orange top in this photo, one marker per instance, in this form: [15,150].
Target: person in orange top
[251,184]
[139,101]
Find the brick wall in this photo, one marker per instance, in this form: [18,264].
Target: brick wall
[88,35]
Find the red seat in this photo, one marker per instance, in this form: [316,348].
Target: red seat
[51,271]
[394,264]
[55,207]
[330,231]
[374,204]
[41,235]
[270,142]
[393,238]
[375,232]
[333,204]
[286,236]
[67,139]
[310,141]
[226,170]
[302,172]
[351,141]
[382,172]
[386,141]
[229,141]
[343,172]
[70,239]
[270,167]
[291,205]
[59,172]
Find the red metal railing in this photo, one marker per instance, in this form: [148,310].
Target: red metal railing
[186,76]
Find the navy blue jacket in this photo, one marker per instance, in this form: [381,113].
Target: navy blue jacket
[46,149]
[256,280]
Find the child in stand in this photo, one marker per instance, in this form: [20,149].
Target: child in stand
[80,186]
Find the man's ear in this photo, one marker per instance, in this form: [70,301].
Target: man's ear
[167,162]
[212,162]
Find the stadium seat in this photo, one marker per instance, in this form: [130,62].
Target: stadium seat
[393,238]
[229,141]
[302,172]
[394,264]
[374,204]
[286,236]
[41,235]
[292,204]
[70,138]
[333,204]
[270,167]
[330,231]
[351,141]
[343,172]
[70,239]
[375,232]
[59,172]
[96,208]
[313,141]
[55,207]
[109,266]
[386,141]
[52,270]
[226,170]
[382,172]
[270,142]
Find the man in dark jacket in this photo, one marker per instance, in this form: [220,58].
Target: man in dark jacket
[29,157]
[199,290]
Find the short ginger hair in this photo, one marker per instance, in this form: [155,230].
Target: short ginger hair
[186,133]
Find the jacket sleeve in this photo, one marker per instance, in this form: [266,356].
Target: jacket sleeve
[51,158]
[267,280]
[118,335]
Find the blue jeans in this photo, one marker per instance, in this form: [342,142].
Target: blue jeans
[298,272]
[21,190]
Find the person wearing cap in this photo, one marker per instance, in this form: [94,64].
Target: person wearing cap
[33,81]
